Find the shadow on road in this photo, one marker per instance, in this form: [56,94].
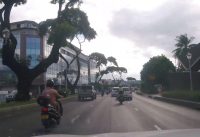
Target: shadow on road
[43,131]
[118,104]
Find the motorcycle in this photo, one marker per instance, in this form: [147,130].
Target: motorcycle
[102,93]
[120,98]
[49,114]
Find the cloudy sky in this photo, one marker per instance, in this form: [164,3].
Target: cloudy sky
[132,31]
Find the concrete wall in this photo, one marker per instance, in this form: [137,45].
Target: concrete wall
[181,80]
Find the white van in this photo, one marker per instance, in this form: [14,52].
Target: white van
[127,93]
[114,91]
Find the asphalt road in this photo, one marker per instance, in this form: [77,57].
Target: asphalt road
[104,115]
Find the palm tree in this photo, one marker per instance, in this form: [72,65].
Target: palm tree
[182,46]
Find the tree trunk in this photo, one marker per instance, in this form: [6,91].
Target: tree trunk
[23,88]
[73,86]
[70,86]
[78,75]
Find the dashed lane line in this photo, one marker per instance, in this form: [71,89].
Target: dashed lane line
[75,118]
[157,127]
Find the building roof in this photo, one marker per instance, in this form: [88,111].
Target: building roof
[25,24]
[25,21]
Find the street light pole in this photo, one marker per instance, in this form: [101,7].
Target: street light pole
[189,56]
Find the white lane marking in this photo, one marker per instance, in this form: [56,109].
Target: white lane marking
[75,118]
[136,109]
[88,121]
[157,127]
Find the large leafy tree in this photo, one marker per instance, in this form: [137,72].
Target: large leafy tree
[66,72]
[100,62]
[113,70]
[70,22]
[112,60]
[130,78]
[155,72]
[183,44]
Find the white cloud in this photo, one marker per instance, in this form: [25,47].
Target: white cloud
[159,27]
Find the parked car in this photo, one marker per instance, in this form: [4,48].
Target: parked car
[114,91]
[86,91]
[127,93]
[11,96]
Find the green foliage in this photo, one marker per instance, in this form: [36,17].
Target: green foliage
[64,92]
[182,45]
[14,2]
[119,70]
[69,4]
[72,23]
[155,72]
[57,1]
[112,60]
[185,95]
[99,58]
[130,78]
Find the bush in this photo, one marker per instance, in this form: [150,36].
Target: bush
[64,92]
[185,95]
[148,88]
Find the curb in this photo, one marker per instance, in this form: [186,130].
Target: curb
[190,104]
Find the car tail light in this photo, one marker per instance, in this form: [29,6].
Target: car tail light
[44,109]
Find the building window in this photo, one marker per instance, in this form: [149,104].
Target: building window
[33,51]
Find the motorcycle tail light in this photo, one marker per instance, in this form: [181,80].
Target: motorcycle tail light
[44,109]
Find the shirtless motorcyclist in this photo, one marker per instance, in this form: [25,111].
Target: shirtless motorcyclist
[53,94]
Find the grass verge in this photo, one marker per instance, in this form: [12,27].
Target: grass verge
[23,103]
[14,103]
[185,95]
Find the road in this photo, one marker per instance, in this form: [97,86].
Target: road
[105,115]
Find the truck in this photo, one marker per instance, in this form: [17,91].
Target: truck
[85,92]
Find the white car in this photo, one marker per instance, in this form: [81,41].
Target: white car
[11,96]
[127,93]
[114,91]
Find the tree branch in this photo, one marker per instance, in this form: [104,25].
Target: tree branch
[1,14]
[80,42]
[6,22]
[44,64]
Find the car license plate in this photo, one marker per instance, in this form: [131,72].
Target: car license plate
[43,117]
